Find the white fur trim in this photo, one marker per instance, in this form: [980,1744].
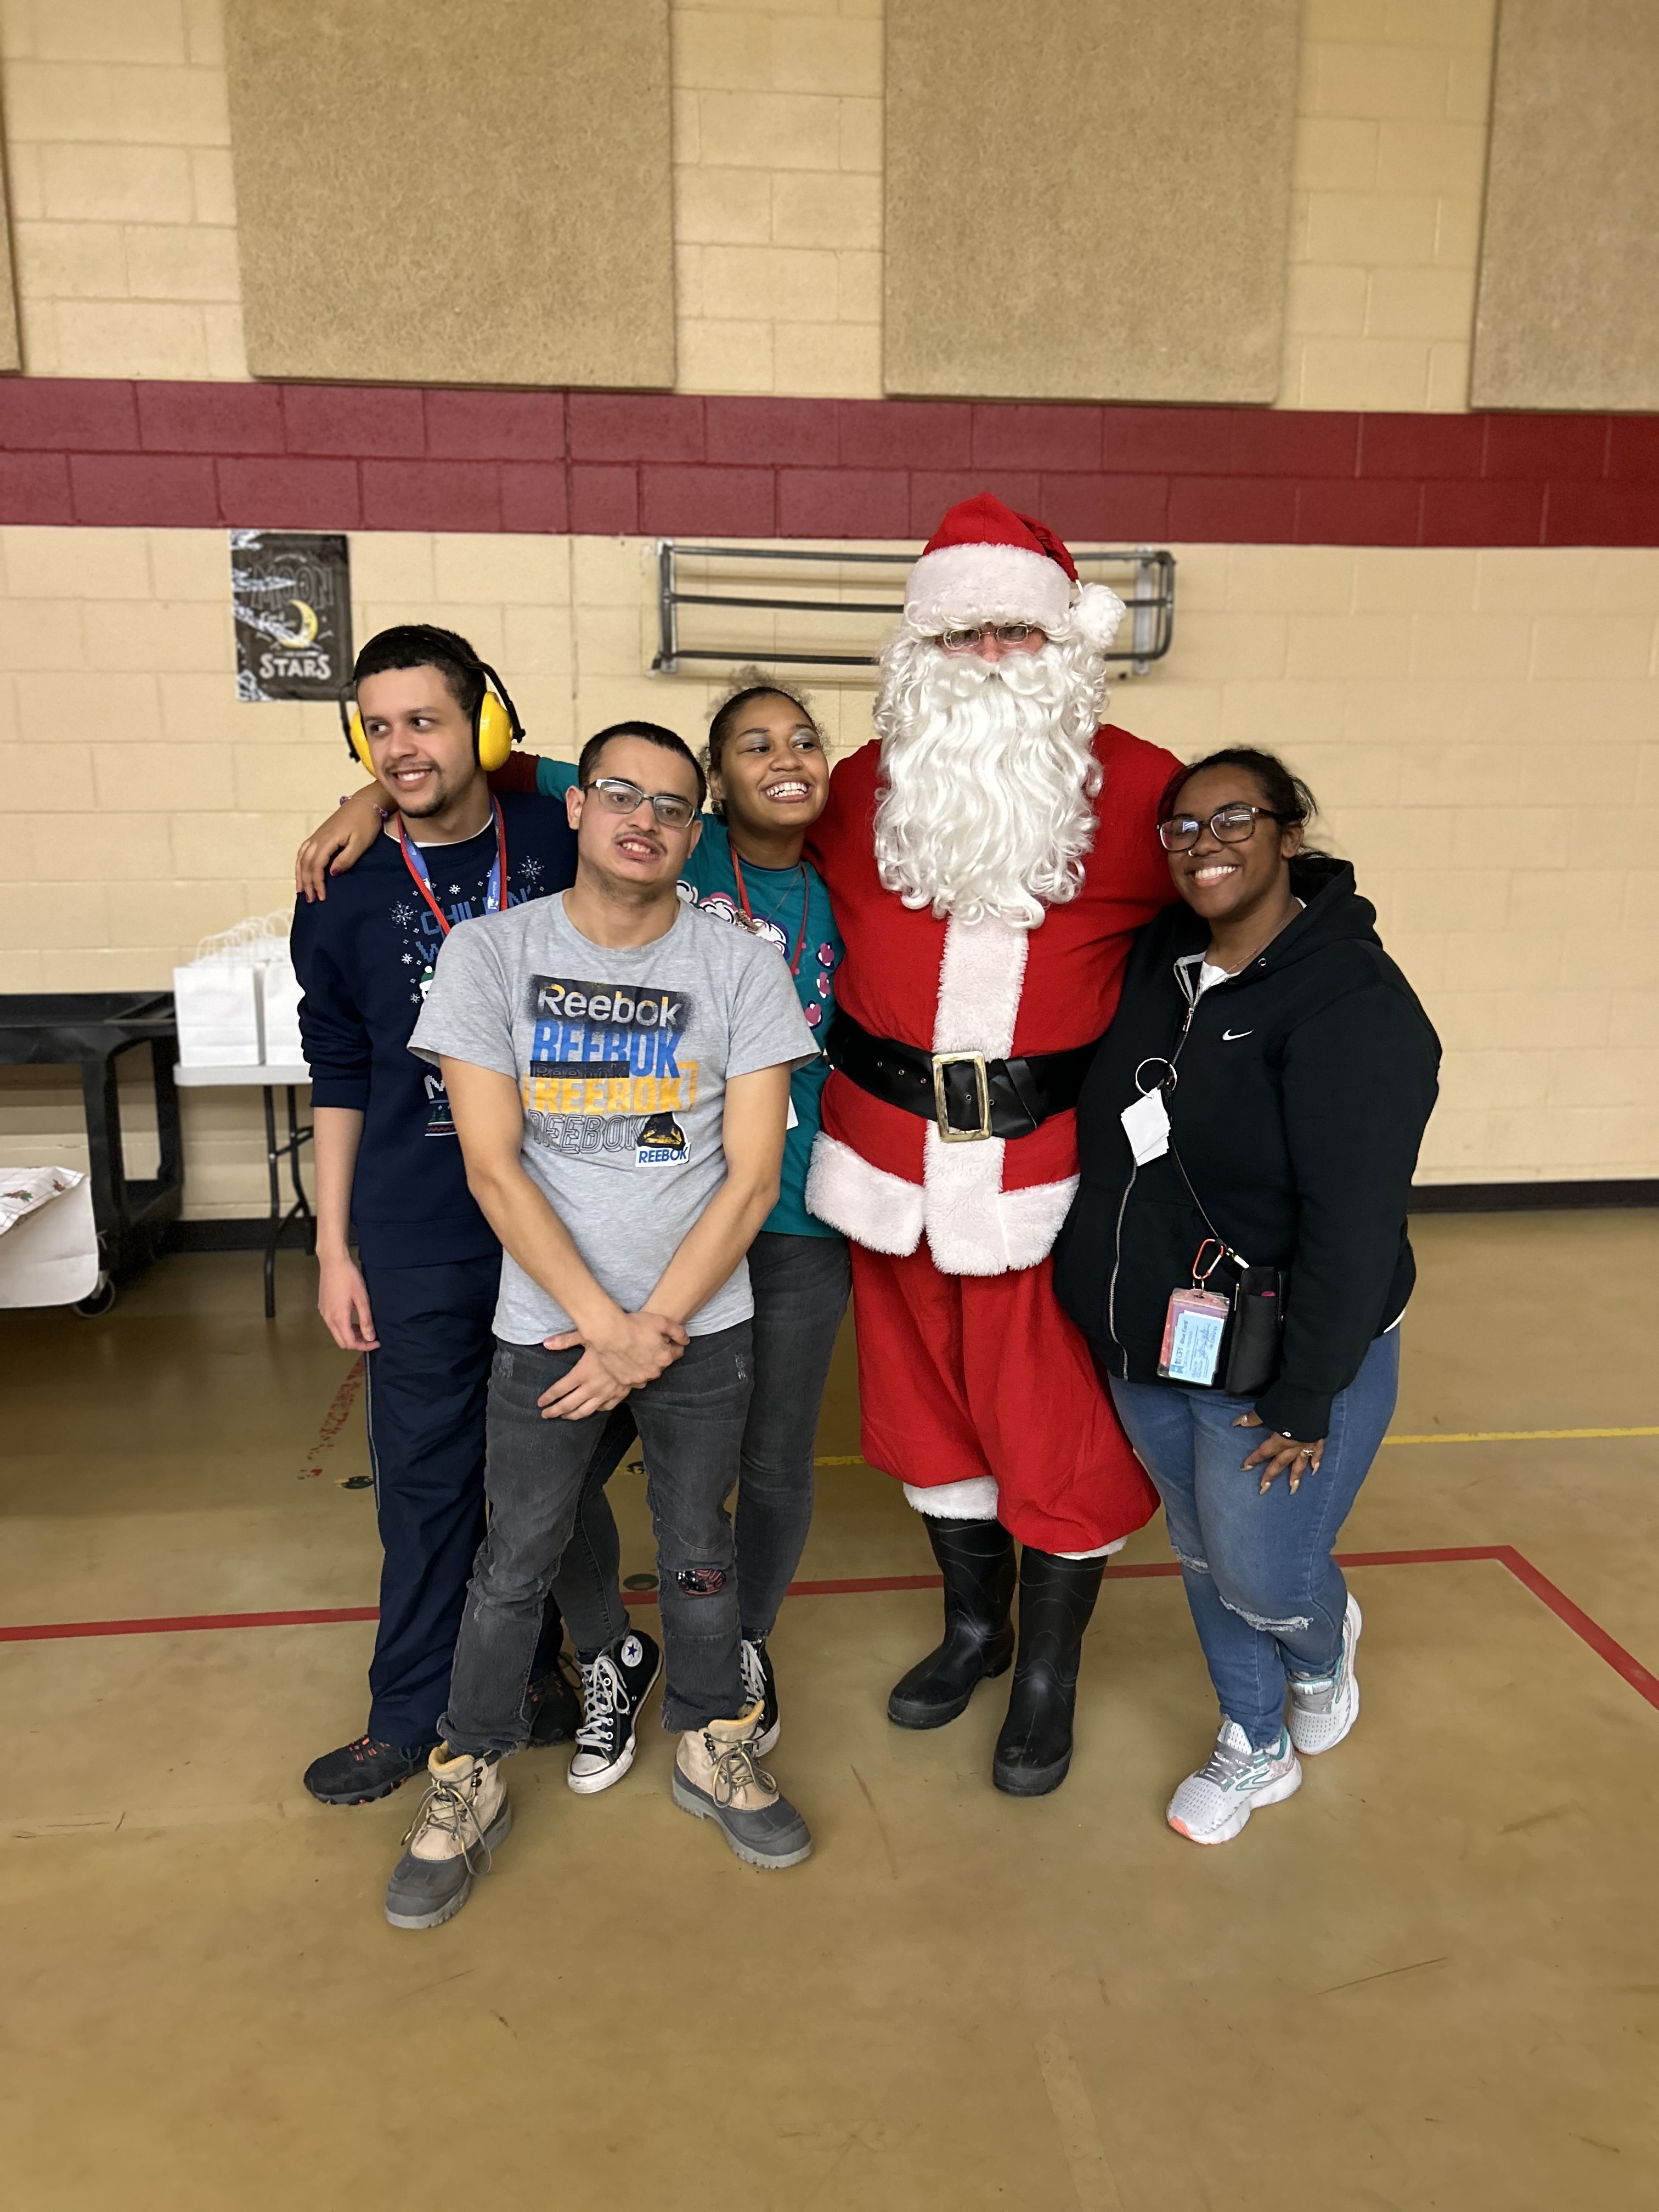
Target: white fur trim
[879,1211]
[974,1227]
[963,584]
[974,1498]
[1100,1551]
[1096,616]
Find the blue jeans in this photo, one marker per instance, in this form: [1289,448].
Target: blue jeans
[1267,1597]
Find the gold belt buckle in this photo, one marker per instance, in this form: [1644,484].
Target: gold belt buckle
[941,1118]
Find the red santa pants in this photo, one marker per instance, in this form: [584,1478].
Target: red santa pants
[962,1376]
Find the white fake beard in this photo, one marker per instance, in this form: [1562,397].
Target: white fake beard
[989,775]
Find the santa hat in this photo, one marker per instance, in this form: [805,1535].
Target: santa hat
[986,563]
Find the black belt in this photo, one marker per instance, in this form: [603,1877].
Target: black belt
[962,1094]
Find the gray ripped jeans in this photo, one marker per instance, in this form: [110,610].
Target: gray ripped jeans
[690,1421]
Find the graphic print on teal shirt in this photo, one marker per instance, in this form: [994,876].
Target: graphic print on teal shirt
[710,881]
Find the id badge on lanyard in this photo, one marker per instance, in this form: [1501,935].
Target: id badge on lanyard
[416,861]
[1194,1323]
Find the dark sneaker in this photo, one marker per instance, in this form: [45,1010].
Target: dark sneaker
[359,1772]
[759,1686]
[716,1779]
[614,1687]
[463,1816]
[553,1706]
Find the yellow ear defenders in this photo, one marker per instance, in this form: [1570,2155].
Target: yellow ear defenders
[495,725]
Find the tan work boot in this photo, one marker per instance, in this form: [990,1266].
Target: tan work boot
[465,1814]
[716,1779]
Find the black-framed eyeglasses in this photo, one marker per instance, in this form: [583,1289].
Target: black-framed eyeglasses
[968,640]
[670,809]
[1228,825]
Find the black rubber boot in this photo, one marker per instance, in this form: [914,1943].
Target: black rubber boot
[976,1559]
[1056,1597]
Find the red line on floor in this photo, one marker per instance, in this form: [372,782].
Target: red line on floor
[48,1632]
[1607,1647]
[334,1420]
[1622,1662]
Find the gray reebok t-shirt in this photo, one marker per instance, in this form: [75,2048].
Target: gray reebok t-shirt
[621,1060]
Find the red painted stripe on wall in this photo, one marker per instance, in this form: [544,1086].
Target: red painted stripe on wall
[395,458]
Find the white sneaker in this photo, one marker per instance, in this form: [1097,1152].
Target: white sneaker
[1324,1709]
[1211,1806]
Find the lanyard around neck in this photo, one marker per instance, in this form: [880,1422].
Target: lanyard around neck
[755,928]
[415,860]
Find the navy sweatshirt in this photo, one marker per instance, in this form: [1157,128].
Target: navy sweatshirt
[363,956]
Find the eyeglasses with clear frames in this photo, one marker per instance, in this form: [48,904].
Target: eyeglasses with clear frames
[970,640]
[621,798]
[1228,825]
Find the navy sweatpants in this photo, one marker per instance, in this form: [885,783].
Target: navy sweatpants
[425,1390]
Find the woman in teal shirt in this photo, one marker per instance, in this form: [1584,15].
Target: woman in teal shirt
[769,780]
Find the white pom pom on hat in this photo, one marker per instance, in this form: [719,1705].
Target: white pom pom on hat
[986,562]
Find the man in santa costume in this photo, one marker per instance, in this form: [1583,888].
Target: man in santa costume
[989,859]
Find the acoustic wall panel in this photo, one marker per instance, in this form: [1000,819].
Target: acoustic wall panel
[11,347]
[455,192]
[1567,314]
[1088,199]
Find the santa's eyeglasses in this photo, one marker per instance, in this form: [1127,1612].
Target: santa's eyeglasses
[970,640]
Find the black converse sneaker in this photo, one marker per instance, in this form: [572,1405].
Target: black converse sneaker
[759,1686]
[614,1687]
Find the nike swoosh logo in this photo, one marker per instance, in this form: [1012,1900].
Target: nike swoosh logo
[1231,1036]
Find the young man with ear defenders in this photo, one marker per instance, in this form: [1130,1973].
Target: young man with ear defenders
[427,720]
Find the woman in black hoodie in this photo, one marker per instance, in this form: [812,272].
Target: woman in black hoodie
[1236,1251]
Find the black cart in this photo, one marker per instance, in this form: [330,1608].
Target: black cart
[90,1030]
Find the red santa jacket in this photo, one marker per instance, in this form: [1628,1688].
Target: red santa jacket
[882,1175]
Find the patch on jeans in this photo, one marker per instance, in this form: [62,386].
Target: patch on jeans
[702,1582]
[740,1361]
[503,1363]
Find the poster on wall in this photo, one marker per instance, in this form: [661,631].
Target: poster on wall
[290,596]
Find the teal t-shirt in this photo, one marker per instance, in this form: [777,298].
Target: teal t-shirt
[792,908]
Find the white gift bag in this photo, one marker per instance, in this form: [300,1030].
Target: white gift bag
[224,1003]
[279,1006]
[218,1011]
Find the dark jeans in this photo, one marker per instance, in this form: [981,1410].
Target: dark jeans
[690,1422]
[801,1286]
[423,1393]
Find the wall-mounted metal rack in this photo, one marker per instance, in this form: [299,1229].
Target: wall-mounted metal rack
[1148,591]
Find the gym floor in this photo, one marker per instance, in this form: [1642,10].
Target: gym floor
[1431,1979]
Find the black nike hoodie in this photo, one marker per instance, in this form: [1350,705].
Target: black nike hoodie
[1302,1088]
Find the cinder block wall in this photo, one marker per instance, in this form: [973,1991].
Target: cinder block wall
[1480,726]
[124,215]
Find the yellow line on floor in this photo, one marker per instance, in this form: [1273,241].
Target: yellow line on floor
[1517,1435]
[1441,1436]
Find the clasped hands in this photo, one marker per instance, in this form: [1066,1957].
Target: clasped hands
[627,1352]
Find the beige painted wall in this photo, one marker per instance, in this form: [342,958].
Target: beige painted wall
[1491,789]
[117,156]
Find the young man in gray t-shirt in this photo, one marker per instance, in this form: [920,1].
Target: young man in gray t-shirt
[618,1066]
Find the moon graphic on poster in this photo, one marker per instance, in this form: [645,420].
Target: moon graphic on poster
[307,630]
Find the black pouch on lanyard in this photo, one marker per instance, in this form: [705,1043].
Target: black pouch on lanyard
[1252,1342]
[1256,1327]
